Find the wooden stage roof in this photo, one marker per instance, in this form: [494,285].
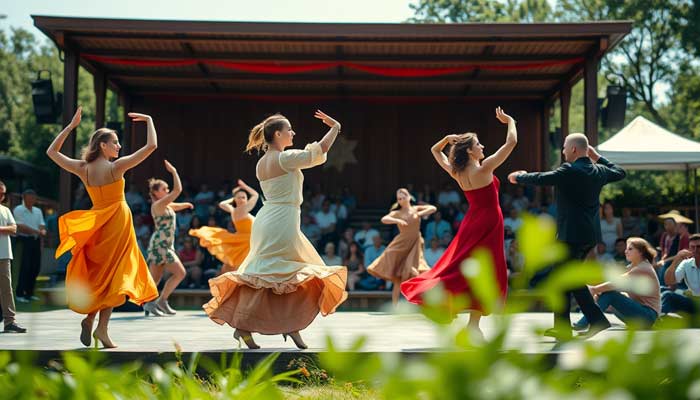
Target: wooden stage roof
[155,57]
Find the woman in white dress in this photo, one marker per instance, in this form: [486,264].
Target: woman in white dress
[283,283]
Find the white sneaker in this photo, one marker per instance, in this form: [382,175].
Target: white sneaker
[22,299]
[34,298]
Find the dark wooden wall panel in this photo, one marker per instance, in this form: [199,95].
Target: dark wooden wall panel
[205,140]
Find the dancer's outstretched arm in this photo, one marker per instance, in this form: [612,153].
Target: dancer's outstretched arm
[496,159]
[425,210]
[54,151]
[174,193]
[181,206]
[253,200]
[393,219]
[329,138]
[125,163]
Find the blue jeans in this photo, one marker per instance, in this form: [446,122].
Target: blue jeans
[624,308]
[674,302]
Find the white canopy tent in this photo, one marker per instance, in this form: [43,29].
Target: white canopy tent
[644,145]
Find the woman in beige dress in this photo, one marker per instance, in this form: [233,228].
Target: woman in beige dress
[403,258]
[283,283]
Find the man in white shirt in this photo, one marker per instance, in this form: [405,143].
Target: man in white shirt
[365,237]
[684,268]
[7,300]
[30,228]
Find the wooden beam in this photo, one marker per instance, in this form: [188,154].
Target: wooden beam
[546,143]
[565,106]
[472,76]
[329,57]
[590,99]
[127,136]
[100,84]
[331,93]
[335,40]
[70,105]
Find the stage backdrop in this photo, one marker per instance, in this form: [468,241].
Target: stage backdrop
[384,143]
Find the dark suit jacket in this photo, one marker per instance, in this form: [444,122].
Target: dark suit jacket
[578,186]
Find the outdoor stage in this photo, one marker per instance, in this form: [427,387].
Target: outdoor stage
[154,339]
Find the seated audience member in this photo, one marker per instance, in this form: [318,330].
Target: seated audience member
[354,261]
[631,301]
[671,241]
[365,236]
[437,228]
[602,255]
[310,229]
[326,220]
[345,241]
[448,195]
[513,220]
[619,253]
[685,268]
[631,225]
[434,252]
[191,258]
[329,257]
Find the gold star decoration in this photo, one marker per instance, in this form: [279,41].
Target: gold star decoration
[341,153]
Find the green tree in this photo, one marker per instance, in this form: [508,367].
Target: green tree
[22,56]
[481,11]
[648,56]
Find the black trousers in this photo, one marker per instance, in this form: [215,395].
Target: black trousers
[31,263]
[583,296]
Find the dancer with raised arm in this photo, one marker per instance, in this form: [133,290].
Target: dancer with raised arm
[403,258]
[283,283]
[231,248]
[161,254]
[107,265]
[482,227]
[578,183]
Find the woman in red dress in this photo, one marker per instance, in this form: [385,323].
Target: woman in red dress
[482,227]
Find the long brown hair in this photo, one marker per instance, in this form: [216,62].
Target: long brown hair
[458,155]
[648,252]
[262,134]
[92,151]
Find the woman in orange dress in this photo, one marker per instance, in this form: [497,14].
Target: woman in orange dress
[403,258]
[231,248]
[106,264]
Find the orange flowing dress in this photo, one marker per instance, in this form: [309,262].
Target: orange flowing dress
[229,248]
[107,265]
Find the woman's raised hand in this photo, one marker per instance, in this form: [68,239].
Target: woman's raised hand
[139,117]
[325,118]
[502,116]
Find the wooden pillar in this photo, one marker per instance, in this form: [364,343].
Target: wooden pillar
[546,143]
[100,94]
[70,105]
[565,103]
[590,96]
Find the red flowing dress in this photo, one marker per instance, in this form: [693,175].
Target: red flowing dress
[482,227]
